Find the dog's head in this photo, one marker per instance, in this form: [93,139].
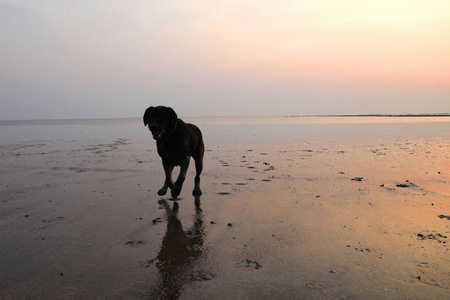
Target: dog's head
[161,121]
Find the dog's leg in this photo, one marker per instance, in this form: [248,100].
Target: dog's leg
[198,170]
[168,168]
[179,183]
[198,157]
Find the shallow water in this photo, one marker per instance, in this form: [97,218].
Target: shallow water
[242,130]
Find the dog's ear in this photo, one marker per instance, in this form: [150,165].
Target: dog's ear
[173,118]
[145,115]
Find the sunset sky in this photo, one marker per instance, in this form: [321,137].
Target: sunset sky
[106,59]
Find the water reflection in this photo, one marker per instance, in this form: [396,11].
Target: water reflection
[180,249]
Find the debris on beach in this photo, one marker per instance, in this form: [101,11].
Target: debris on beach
[135,243]
[402,185]
[148,263]
[251,264]
[406,184]
[437,237]
[156,221]
[201,276]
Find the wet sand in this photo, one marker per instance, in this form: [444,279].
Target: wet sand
[288,211]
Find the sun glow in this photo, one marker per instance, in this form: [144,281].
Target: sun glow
[380,40]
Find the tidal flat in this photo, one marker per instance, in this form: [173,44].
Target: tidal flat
[292,208]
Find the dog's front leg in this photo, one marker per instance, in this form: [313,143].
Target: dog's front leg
[179,183]
[168,168]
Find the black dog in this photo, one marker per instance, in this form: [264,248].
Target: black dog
[176,142]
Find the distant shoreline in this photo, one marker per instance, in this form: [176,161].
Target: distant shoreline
[375,115]
[75,120]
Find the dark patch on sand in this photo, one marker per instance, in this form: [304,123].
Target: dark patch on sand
[357,179]
[156,221]
[251,264]
[437,237]
[201,276]
[402,185]
[148,263]
[406,184]
[135,243]
[53,220]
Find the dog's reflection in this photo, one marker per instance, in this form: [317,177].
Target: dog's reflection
[180,249]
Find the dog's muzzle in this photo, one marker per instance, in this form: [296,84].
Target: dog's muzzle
[156,132]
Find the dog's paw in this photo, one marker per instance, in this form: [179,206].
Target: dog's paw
[175,191]
[162,192]
[196,192]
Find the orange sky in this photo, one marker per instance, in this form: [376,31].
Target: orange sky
[380,40]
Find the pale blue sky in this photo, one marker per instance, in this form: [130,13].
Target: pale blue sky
[107,59]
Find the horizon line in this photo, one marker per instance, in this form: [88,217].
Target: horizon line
[280,116]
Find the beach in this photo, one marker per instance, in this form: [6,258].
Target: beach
[292,208]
